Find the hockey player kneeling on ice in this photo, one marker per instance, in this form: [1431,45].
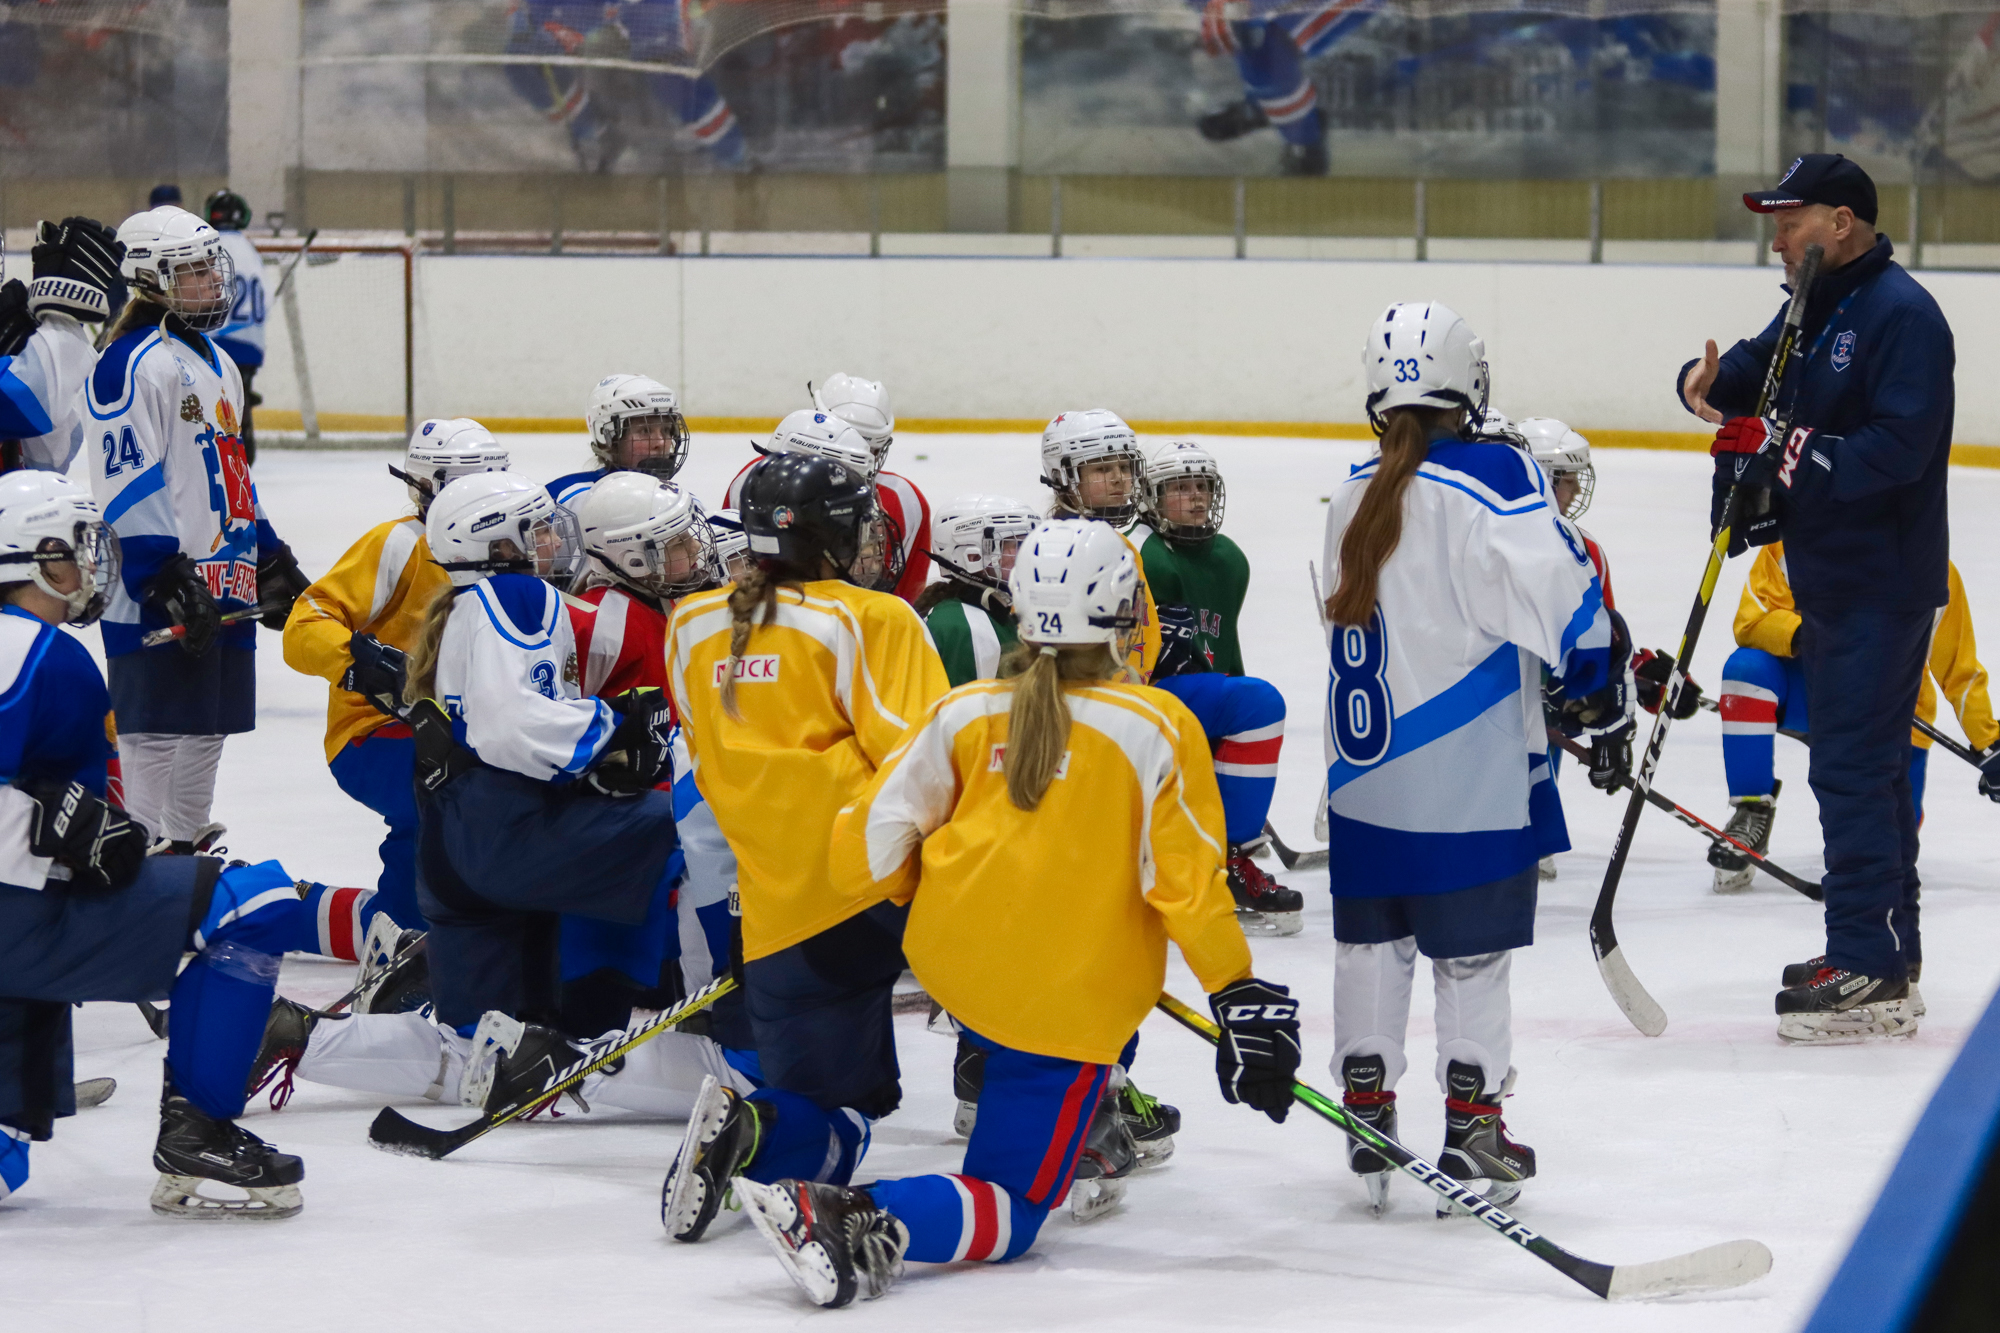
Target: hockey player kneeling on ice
[85,914]
[1455,581]
[355,627]
[1062,779]
[635,425]
[1198,579]
[169,472]
[792,688]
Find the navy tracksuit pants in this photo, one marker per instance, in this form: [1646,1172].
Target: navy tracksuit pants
[1863,674]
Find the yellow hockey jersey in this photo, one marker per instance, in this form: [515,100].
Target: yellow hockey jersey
[1767,618]
[1145,647]
[826,692]
[1047,931]
[382,586]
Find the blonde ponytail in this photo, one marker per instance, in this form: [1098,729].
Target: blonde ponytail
[421,683]
[1038,719]
[1377,526]
[754,591]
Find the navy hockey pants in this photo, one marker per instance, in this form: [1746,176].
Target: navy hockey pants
[378,770]
[821,1015]
[1863,675]
[1034,1118]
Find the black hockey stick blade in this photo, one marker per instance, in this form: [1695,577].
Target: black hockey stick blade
[397,1133]
[1294,860]
[1716,1268]
[1702,826]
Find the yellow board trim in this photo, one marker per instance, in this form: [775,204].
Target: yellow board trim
[1962,455]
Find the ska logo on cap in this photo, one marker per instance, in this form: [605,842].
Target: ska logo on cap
[1843,350]
[783,517]
[1791,171]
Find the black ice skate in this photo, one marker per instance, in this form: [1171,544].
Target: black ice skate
[207,841]
[510,1061]
[722,1136]
[1151,1123]
[1476,1146]
[1109,1156]
[395,972]
[1366,1100]
[194,1149]
[286,1033]
[1751,826]
[1837,1007]
[1232,122]
[968,1075]
[832,1239]
[1263,906]
[1798,974]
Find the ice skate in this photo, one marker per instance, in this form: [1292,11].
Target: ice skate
[968,1073]
[723,1131]
[207,841]
[1366,1100]
[1476,1146]
[1798,974]
[515,1059]
[286,1033]
[1151,1122]
[1840,1008]
[1751,826]
[1545,869]
[833,1241]
[1109,1156]
[94,1092]
[194,1150]
[394,976]
[1232,122]
[1263,906]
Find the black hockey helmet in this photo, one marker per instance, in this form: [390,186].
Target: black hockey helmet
[227,210]
[799,507]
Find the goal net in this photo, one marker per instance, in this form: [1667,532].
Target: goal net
[339,358]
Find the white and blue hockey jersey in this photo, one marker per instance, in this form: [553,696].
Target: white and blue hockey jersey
[507,675]
[242,338]
[1437,768]
[168,470]
[41,393]
[52,725]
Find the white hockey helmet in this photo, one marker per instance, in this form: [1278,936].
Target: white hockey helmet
[46,519]
[825,435]
[443,449]
[1421,354]
[1075,582]
[1181,461]
[1496,427]
[1561,451]
[173,257]
[862,404]
[1073,441]
[646,410]
[732,544]
[475,513]
[648,534]
[976,538]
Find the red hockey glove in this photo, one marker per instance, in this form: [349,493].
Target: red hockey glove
[1650,670]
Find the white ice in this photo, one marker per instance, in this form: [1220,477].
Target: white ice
[1647,1147]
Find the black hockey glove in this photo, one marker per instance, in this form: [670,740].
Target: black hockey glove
[1258,1056]
[17,325]
[99,843]
[279,583]
[636,758]
[180,591]
[1180,654]
[377,674]
[1609,707]
[1989,772]
[76,264]
[1650,671]
[1611,758]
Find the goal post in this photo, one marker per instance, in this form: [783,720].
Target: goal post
[340,361]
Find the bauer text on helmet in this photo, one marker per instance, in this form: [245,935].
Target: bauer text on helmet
[823,435]
[1075,582]
[976,538]
[636,426]
[444,449]
[501,523]
[1421,354]
[52,535]
[176,259]
[648,534]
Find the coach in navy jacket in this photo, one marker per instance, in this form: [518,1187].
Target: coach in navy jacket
[1858,490]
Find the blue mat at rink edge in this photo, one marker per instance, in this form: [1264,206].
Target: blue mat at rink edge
[1928,1257]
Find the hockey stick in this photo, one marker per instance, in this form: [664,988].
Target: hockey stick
[1631,997]
[1293,860]
[1965,752]
[175,633]
[285,278]
[1696,822]
[1716,1268]
[397,1133]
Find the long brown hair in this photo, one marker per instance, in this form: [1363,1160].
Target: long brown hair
[139,312]
[752,599]
[1377,526]
[1038,718]
[421,682]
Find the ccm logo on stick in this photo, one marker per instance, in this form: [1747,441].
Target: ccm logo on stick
[760,668]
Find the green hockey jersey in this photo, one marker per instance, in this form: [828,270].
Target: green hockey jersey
[1210,577]
[970,638]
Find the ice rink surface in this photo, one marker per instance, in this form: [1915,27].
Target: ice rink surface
[1647,1148]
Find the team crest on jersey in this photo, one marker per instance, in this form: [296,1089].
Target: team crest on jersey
[225,416]
[570,673]
[1843,350]
[191,409]
[750,670]
[998,761]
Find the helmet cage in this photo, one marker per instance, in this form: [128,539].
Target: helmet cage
[547,544]
[1586,486]
[168,280]
[638,556]
[662,467]
[979,559]
[1068,481]
[1174,466]
[93,548]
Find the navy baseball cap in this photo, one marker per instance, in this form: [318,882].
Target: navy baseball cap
[162,195]
[1819,178]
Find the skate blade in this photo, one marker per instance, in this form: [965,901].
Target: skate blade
[1092,1199]
[964,1118]
[684,1194]
[1378,1190]
[772,1212]
[1152,1152]
[1733,881]
[1499,1193]
[1916,1003]
[97,1091]
[181,1196]
[1887,1021]
[1270,924]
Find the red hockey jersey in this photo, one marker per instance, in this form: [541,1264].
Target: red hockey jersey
[621,642]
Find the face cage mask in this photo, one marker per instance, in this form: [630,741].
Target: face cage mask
[203,314]
[704,571]
[880,572]
[1071,493]
[93,548]
[549,547]
[1586,486]
[1156,506]
[662,466]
